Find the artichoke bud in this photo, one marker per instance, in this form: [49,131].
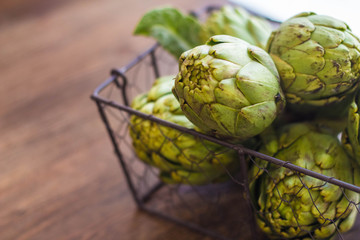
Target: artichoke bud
[237,22]
[180,157]
[318,60]
[232,91]
[298,206]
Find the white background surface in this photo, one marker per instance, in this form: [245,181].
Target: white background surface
[345,10]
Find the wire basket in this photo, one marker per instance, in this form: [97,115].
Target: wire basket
[220,210]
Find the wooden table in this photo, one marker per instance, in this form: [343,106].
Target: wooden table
[59,178]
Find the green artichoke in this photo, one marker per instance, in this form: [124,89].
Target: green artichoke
[237,22]
[296,206]
[318,61]
[229,88]
[350,136]
[180,157]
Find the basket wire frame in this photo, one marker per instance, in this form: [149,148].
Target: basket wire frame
[191,206]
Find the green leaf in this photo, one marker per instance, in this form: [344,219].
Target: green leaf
[175,31]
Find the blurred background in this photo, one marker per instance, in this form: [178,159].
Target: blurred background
[281,10]
[59,178]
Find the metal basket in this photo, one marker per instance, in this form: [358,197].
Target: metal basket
[219,210]
[222,210]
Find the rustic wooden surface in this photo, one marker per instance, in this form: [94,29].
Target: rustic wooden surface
[59,178]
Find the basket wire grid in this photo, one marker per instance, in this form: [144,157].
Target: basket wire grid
[190,206]
[219,210]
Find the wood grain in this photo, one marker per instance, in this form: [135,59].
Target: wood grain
[59,178]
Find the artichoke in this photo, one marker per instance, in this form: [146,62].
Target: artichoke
[318,61]
[296,206]
[180,157]
[237,22]
[229,88]
[350,136]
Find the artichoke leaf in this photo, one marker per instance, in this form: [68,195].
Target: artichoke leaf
[175,31]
